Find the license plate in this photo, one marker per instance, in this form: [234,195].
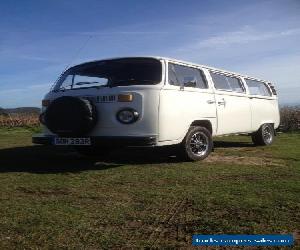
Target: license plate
[72,141]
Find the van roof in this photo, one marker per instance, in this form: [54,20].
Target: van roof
[181,61]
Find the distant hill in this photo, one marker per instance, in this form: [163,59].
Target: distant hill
[3,112]
[22,110]
[289,104]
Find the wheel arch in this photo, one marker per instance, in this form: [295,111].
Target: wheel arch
[265,122]
[203,123]
[189,145]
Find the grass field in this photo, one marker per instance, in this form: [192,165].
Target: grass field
[137,198]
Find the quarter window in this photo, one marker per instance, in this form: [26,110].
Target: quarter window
[229,83]
[235,84]
[185,76]
[258,88]
[220,81]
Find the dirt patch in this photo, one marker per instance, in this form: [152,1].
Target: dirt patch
[47,192]
[244,160]
[170,225]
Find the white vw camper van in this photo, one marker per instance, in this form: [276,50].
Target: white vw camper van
[155,101]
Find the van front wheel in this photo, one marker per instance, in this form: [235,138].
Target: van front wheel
[197,144]
[263,136]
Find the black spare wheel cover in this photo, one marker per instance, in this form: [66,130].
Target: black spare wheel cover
[70,116]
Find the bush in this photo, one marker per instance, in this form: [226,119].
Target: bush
[289,119]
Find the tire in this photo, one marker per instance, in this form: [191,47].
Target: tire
[92,151]
[264,136]
[70,116]
[197,144]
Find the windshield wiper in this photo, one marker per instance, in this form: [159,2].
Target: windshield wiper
[80,83]
[84,83]
[63,88]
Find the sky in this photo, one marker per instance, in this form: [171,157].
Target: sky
[39,39]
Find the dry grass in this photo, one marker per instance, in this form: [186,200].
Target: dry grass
[19,120]
[244,160]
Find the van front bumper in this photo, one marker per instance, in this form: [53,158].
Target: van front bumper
[103,140]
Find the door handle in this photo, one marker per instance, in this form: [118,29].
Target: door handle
[210,101]
[222,102]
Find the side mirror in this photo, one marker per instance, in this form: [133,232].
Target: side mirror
[190,84]
[189,81]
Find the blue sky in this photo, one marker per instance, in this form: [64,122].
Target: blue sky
[38,39]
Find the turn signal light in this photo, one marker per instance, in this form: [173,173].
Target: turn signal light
[45,103]
[125,98]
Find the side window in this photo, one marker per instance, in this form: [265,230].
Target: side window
[235,84]
[229,83]
[220,81]
[186,76]
[258,88]
[173,80]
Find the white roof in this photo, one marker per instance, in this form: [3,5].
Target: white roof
[184,62]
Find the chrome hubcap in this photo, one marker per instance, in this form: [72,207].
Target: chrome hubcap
[267,134]
[199,143]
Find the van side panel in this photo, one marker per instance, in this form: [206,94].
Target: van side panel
[234,113]
[179,108]
[264,110]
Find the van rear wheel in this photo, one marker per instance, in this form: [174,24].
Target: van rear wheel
[264,136]
[197,144]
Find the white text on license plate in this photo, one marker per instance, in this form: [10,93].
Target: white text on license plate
[72,141]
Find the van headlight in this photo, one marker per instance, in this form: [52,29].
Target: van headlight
[127,116]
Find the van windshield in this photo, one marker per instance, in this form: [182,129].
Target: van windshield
[110,73]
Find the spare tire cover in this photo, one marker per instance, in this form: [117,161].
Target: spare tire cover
[70,116]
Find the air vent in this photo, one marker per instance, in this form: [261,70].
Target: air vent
[272,88]
[106,98]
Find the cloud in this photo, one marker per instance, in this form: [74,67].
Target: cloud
[270,54]
[242,36]
[283,70]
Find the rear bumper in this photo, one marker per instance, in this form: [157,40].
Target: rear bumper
[104,140]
